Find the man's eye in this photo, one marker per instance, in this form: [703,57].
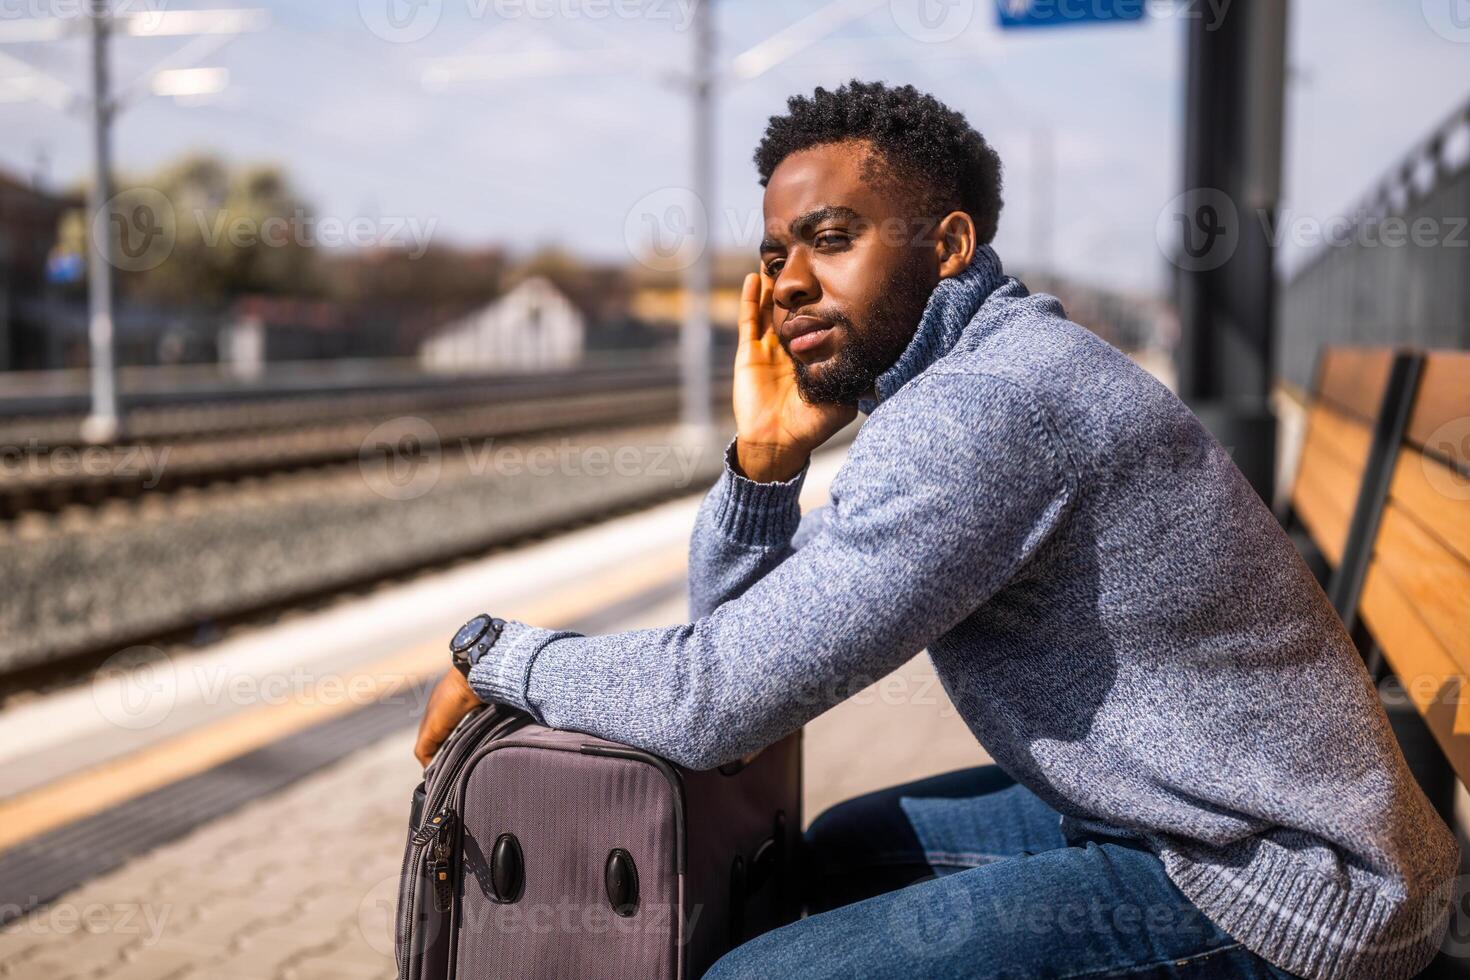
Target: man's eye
[773,267]
[829,239]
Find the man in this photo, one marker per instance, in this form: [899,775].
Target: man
[1194,775]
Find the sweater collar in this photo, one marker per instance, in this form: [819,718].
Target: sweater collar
[951,306]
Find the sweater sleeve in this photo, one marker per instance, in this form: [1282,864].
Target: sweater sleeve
[949,488]
[743,530]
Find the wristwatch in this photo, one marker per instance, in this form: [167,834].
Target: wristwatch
[473,640]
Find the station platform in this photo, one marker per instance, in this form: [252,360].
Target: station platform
[240,811]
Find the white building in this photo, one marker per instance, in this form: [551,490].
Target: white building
[532,326]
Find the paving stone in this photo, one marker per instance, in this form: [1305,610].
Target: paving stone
[302,885]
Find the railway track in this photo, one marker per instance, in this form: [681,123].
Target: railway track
[159,406]
[171,448]
[78,663]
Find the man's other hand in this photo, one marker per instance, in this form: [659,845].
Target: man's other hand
[776,431]
[450,701]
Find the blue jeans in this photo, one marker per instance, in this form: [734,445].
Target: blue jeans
[968,875]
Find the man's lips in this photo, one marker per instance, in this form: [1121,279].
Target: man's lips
[804,333]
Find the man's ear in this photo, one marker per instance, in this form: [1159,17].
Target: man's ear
[954,243]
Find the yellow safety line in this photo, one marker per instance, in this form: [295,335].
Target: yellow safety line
[93,790]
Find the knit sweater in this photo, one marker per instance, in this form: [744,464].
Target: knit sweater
[1110,606]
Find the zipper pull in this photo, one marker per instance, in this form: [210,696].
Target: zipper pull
[436,836]
[439,874]
[433,827]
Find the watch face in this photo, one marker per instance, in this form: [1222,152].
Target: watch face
[469,634]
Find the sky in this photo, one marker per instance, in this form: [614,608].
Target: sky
[439,121]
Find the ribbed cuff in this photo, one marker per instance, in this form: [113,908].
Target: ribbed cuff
[758,514]
[1309,925]
[503,674]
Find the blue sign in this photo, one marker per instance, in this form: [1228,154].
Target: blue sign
[1059,13]
[64,267]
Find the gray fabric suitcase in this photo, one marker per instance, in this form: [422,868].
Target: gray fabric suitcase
[538,854]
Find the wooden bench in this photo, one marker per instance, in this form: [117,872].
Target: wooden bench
[1383,492]
[1346,401]
[1415,599]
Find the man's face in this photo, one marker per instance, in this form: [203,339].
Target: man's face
[853,269]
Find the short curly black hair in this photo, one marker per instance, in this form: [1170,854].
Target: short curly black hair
[924,142]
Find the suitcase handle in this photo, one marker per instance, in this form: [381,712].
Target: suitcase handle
[748,880]
[734,768]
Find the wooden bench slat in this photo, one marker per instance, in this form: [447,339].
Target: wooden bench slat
[1419,487]
[1334,455]
[1431,576]
[1430,677]
[1443,396]
[1324,502]
[1342,435]
[1353,379]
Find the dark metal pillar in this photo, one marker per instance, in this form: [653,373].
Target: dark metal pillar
[1233,136]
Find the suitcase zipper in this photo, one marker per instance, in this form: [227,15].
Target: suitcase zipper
[436,839]
[418,852]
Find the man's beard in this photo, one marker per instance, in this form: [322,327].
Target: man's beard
[868,352]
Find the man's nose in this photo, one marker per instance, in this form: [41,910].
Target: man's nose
[797,284]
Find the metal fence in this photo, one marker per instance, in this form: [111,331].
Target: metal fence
[1394,271]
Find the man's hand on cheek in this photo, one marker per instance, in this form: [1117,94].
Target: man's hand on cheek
[776,429]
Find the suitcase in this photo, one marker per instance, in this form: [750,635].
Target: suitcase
[539,854]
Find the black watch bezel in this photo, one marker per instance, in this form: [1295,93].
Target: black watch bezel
[473,639]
